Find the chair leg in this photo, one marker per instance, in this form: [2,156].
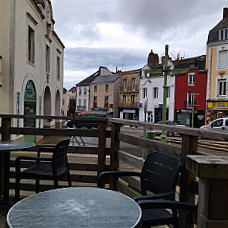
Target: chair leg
[56,182]
[17,189]
[69,179]
[37,185]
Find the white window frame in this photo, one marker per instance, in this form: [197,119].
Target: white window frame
[125,84]
[155,90]
[223,34]
[168,92]
[48,58]
[133,84]
[222,87]
[190,99]
[31,44]
[191,79]
[223,64]
[144,92]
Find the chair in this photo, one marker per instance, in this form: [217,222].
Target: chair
[164,212]
[44,168]
[159,176]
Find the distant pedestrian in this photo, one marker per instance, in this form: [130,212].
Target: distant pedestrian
[136,118]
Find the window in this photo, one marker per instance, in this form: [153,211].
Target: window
[31,45]
[223,34]
[106,87]
[144,92]
[85,91]
[222,59]
[95,101]
[106,102]
[217,123]
[168,92]
[125,84]
[79,102]
[95,89]
[133,99]
[58,67]
[124,100]
[191,79]
[47,58]
[80,91]
[222,87]
[84,103]
[190,99]
[133,84]
[155,92]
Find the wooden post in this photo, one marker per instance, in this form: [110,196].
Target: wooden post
[4,157]
[101,147]
[6,124]
[189,146]
[115,145]
[213,189]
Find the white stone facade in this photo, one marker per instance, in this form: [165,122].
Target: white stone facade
[148,86]
[32,59]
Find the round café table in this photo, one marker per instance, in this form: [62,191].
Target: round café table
[76,207]
[5,148]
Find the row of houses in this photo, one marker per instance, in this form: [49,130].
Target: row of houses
[196,90]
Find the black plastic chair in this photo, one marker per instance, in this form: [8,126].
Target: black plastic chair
[159,176]
[165,212]
[44,168]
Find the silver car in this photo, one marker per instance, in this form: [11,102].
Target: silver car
[220,124]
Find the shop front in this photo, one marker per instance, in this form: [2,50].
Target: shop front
[216,109]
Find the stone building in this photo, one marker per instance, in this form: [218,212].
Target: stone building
[104,93]
[31,60]
[128,106]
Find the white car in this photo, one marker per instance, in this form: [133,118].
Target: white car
[220,124]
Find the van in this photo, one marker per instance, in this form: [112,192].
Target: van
[220,124]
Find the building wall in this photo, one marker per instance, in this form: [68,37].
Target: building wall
[5,43]
[156,103]
[101,93]
[15,58]
[128,111]
[199,88]
[82,97]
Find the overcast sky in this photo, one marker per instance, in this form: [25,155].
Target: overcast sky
[121,33]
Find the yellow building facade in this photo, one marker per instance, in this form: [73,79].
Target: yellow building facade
[217,66]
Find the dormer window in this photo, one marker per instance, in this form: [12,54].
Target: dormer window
[223,34]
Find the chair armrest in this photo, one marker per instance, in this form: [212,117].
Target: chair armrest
[166,204]
[107,174]
[165,195]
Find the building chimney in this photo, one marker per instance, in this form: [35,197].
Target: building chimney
[153,59]
[225,13]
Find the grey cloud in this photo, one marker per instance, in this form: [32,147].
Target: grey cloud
[85,58]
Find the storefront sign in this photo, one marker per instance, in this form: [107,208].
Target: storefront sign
[221,105]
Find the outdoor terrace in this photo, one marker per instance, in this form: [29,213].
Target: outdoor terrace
[87,161]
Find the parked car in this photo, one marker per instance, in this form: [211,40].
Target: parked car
[220,124]
[91,124]
[169,122]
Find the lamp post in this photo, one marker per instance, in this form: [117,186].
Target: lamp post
[163,135]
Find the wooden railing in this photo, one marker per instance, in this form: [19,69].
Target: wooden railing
[97,157]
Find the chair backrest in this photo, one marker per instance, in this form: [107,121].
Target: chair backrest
[160,173]
[59,157]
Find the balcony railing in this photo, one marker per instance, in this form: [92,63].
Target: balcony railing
[213,180]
